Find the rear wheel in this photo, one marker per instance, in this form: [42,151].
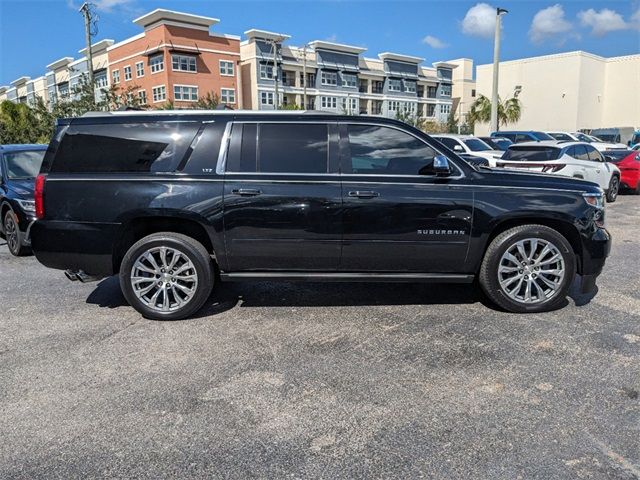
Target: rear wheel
[13,235]
[528,269]
[166,276]
[614,188]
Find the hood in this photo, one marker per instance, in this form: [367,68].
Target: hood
[516,178]
[22,188]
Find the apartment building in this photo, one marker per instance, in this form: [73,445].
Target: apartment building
[569,91]
[463,93]
[176,59]
[339,78]
[24,90]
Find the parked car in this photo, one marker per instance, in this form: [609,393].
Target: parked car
[19,165]
[622,135]
[497,143]
[628,162]
[470,145]
[636,147]
[174,201]
[571,159]
[523,136]
[582,137]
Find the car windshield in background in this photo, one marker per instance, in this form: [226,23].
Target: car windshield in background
[616,156]
[23,164]
[531,154]
[502,144]
[476,145]
[609,138]
[584,138]
[561,136]
[542,136]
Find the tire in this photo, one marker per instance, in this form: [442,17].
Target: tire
[190,281]
[13,235]
[614,188]
[542,297]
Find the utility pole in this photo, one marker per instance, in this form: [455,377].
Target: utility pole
[304,77]
[85,9]
[496,62]
[275,72]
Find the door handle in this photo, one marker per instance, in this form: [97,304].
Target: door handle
[364,194]
[246,192]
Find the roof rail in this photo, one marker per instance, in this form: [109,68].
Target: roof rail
[205,112]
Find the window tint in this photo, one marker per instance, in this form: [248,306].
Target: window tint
[123,148]
[291,148]
[24,164]
[580,153]
[594,155]
[451,143]
[387,151]
[204,157]
[476,145]
[531,154]
[242,148]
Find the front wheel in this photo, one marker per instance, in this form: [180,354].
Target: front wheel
[614,187]
[528,269]
[166,276]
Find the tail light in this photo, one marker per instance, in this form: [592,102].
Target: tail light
[39,196]
[553,168]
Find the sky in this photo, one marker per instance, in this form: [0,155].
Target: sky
[33,33]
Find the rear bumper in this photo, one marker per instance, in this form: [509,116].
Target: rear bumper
[74,246]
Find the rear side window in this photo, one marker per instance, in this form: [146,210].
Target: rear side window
[531,154]
[124,148]
[594,155]
[279,148]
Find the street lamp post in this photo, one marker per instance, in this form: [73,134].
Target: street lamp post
[496,63]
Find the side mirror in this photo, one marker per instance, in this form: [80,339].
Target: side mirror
[441,166]
[458,148]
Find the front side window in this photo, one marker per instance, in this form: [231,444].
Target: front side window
[159,93]
[476,145]
[381,150]
[395,85]
[183,63]
[228,95]
[451,143]
[157,63]
[185,93]
[226,68]
[23,165]
[329,78]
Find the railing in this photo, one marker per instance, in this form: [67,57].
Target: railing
[377,90]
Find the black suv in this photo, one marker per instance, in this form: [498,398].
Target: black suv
[19,165]
[173,201]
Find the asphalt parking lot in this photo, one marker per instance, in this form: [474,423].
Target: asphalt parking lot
[321,380]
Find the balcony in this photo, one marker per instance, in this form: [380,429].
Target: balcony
[377,89]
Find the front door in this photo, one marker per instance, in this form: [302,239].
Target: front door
[282,197]
[398,216]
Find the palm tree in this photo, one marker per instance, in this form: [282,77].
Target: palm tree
[509,111]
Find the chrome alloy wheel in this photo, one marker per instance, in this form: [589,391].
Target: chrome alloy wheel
[11,233]
[531,271]
[164,279]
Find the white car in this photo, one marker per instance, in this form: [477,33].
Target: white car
[583,137]
[572,159]
[470,145]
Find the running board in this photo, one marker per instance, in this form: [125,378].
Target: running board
[349,277]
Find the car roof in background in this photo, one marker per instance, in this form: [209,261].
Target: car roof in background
[545,143]
[16,147]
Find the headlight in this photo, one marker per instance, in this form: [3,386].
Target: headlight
[594,199]
[27,205]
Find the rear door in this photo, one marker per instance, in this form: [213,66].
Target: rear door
[602,169]
[584,167]
[399,216]
[282,197]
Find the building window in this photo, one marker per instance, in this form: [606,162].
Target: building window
[228,95]
[115,75]
[226,68]
[311,79]
[157,63]
[185,93]
[473,92]
[445,109]
[409,86]
[431,109]
[266,72]
[139,69]
[432,92]
[351,106]
[329,78]
[266,98]
[101,79]
[142,97]
[329,102]
[127,73]
[445,90]
[159,93]
[349,80]
[395,85]
[183,63]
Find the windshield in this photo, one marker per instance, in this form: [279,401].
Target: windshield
[608,137]
[616,156]
[476,145]
[584,138]
[561,136]
[23,164]
[542,136]
[531,154]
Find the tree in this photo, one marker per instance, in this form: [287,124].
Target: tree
[117,97]
[413,119]
[509,111]
[452,123]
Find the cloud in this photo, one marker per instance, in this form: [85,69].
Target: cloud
[549,23]
[602,22]
[480,21]
[635,20]
[434,42]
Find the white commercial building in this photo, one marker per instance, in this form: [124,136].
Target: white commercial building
[568,91]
